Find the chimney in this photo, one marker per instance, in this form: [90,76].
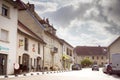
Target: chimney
[31,7]
[47,20]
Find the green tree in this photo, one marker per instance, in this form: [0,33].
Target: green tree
[86,62]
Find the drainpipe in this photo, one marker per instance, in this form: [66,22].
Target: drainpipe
[43,58]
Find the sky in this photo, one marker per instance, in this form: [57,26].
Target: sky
[82,22]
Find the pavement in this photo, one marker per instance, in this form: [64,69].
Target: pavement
[29,74]
[84,74]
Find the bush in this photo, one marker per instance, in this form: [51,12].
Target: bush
[86,62]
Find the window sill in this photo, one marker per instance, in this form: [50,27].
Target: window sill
[4,41]
[5,16]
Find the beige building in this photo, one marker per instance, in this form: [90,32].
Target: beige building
[53,48]
[114,47]
[98,55]
[8,36]
[67,55]
[29,49]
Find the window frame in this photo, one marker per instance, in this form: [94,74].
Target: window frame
[4,9]
[1,39]
[26,44]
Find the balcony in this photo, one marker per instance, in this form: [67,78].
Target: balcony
[54,50]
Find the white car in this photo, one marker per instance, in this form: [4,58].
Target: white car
[107,69]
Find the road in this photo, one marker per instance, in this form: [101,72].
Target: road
[84,74]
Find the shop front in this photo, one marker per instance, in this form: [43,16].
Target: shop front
[3,64]
[3,60]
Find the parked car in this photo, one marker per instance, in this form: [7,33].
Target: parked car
[95,67]
[107,69]
[76,67]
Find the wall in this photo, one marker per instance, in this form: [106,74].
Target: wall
[9,24]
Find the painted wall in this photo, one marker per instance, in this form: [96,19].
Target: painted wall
[30,52]
[9,24]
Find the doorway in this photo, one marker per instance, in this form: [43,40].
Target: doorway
[25,62]
[3,64]
[38,63]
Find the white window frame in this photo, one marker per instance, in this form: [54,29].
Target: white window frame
[1,36]
[8,11]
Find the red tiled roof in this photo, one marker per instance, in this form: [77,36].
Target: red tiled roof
[90,50]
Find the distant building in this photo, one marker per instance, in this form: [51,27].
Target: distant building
[114,47]
[98,55]
[8,36]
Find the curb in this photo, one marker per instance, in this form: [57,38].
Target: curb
[32,74]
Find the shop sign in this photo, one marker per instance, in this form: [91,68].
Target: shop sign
[20,42]
[4,48]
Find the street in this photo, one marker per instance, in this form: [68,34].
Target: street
[84,74]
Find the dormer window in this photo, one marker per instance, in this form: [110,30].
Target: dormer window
[5,11]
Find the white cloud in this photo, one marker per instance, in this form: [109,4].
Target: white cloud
[82,22]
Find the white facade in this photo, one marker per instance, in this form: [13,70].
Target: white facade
[9,24]
[32,51]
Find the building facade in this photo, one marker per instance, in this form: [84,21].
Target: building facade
[8,36]
[98,55]
[29,41]
[114,47]
[53,48]
[67,55]
[29,49]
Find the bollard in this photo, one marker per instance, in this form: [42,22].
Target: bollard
[6,76]
[37,73]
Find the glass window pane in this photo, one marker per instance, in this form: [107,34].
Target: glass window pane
[4,35]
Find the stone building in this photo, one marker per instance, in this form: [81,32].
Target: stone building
[97,54]
[53,48]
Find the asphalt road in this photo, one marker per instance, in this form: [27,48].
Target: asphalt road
[84,74]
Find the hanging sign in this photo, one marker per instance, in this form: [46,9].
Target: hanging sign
[16,66]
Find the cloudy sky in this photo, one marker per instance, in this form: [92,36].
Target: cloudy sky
[82,22]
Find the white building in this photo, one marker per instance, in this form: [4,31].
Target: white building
[29,49]
[8,36]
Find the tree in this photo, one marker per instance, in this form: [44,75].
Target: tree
[86,62]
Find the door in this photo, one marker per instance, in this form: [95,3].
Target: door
[38,63]
[3,64]
[25,62]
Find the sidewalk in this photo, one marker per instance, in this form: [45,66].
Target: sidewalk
[30,74]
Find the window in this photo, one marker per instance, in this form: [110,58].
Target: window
[102,57]
[26,44]
[34,62]
[5,11]
[67,51]
[97,57]
[31,61]
[38,48]
[93,57]
[4,35]
[19,59]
